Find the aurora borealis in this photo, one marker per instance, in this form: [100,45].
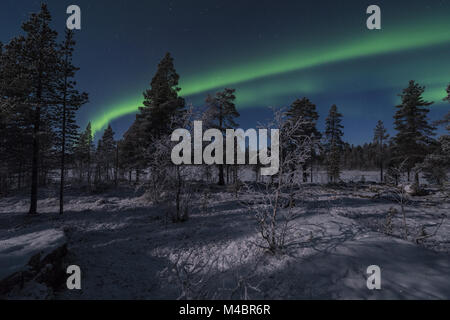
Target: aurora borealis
[271,52]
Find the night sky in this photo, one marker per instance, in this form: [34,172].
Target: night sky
[271,52]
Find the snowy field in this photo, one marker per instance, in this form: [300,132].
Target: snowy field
[128,249]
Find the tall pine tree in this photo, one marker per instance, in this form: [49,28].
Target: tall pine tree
[333,143]
[414,133]
[437,164]
[84,151]
[162,105]
[106,153]
[305,111]
[380,138]
[69,100]
[39,58]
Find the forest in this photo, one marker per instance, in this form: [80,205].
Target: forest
[210,231]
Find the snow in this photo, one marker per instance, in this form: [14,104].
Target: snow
[16,252]
[127,249]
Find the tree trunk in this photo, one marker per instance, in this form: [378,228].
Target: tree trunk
[178,216]
[221,177]
[35,162]
[63,152]
[305,173]
[63,147]
[89,166]
[116,171]
[381,172]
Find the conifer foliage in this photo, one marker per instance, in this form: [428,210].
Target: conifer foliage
[414,132]
[380,138]
[304,111]
[333,143]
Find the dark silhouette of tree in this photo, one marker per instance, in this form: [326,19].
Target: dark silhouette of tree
[38,57]
[380,138]
[333,143]
[220,115]
[106,154]
[161,102]
[305,111]
[69,100]
[414,133]
[84,151]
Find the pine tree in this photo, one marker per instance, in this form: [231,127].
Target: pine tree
[39,58]
[106,151]
[448,94]
[305,111]
[380,137]
[220,115]
[437,164]
[413,130]
[162,105]
[445,139]
[131,151]
[68,102]
[333,144]
[84,151]
[17,114]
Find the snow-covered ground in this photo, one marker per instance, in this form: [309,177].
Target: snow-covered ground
[128,249]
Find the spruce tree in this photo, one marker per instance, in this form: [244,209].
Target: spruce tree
[131,150]
[445,139]
[162,105]
[107,152]
[380,138]
[18,116]
[84,151]
[220,115]
[414,133]
[437,164]
[333,144]
[68,102]
[39,61]
[305,111]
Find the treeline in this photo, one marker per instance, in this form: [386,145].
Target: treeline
[40,140]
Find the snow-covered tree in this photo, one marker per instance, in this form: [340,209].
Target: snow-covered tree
[306,111]
[273,200]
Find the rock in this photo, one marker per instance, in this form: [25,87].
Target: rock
[36,256]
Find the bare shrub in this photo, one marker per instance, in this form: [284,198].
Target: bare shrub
[399,191]
[211,272]
[274,199]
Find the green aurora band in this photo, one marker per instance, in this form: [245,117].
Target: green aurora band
[371,44]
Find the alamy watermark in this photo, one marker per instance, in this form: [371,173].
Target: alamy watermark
[213,153]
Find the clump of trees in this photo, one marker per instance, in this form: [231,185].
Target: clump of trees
[39,102]
[40,139]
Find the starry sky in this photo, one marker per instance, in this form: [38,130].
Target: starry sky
[271,52]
